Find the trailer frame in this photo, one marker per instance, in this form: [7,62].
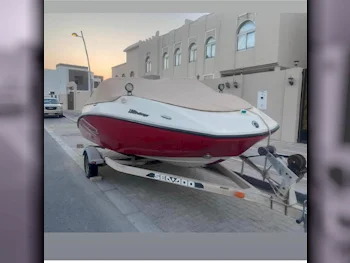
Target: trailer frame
[283,200]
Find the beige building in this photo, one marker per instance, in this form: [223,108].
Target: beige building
[253,54]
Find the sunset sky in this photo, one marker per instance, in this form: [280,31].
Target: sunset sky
[106,36]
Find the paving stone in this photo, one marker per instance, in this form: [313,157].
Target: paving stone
[122,203]
[143,223]
[95,179]
[106,185]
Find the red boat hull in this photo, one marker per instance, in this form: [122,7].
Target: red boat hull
[132,138]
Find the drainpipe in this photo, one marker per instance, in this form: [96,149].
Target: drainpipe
[242,79]
[75,96]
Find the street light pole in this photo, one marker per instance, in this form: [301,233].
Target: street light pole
[87,56]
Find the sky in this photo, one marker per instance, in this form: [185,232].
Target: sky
[106,36]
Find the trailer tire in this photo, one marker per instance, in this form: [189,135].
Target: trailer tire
[91,170]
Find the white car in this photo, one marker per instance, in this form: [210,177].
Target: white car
[52,107]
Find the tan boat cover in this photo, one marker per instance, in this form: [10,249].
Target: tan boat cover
[186,93]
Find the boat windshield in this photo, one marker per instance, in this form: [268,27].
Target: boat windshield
[51,101]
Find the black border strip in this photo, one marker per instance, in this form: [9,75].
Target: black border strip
[347,103]
[183,131]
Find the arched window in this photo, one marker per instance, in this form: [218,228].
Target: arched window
[210,48]
[148,65]
[193,52]
[123,76]
[132,74]
[177,57]
[246,35]
[165,61]
[116,76]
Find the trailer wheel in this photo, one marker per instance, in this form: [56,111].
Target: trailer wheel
[91,170]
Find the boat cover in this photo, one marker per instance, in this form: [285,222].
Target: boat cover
[186,93]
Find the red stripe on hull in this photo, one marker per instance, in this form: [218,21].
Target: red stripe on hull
[137,139]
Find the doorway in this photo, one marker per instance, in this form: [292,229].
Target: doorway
[70,101]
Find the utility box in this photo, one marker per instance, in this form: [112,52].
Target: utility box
[262,100]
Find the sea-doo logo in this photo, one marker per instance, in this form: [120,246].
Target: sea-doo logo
[137,113]
[175,180]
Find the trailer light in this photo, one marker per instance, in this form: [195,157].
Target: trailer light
[240,195]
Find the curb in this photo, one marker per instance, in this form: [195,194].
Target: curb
[70,118]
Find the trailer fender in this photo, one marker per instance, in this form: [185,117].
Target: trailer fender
[93,155]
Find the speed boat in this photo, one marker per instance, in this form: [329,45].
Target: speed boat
[179,121]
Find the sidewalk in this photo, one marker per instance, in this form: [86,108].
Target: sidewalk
[71,114]
[250,174]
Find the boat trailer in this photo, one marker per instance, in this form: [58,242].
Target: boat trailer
[283,198]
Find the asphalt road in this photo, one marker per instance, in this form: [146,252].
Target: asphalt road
[13,198]
[72,204]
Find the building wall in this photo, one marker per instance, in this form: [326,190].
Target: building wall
[266,44]
[57,79]
[82,76]
[293,40]
[283,100]
[132,58]
[279,38]
[63,99]
[149,48]
[97,81]
[273,83]
[167,46]
[51,81]
[63,78]
[192,32]
[133,64]
[266,48]
[80,99]
[119,70]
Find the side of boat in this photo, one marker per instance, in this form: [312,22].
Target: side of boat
[142,127]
